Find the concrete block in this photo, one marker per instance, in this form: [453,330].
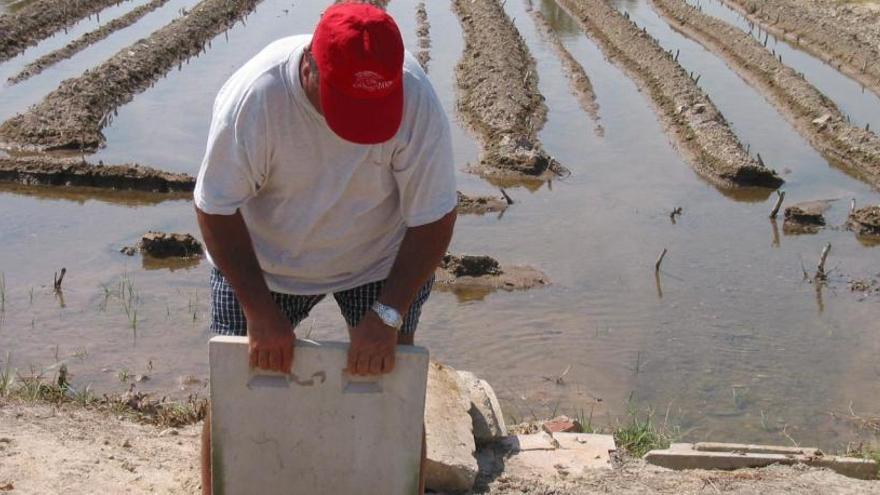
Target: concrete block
[451,465]
[737,456]
[485,410]
[317,430]
[565,454]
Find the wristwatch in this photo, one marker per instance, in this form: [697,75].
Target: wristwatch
[388,315]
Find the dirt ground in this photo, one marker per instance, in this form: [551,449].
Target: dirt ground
[40,19]
[46,170]
[47,450]
[72,116]
[695,124]
[506,117]
[815,116]
[844,33]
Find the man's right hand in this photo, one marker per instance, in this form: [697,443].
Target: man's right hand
[270,342]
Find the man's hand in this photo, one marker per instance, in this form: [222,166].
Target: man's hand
[372,347]
[270,342]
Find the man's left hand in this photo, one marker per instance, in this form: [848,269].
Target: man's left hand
[372,347]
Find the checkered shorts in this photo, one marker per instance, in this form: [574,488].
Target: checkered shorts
[227,317]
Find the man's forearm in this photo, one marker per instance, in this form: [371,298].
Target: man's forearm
[229,242]
[419,255]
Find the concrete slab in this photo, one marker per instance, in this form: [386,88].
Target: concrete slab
[737,456]
[317,430]
[562,454]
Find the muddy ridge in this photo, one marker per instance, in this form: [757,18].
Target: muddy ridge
[815,116]
[695,124]
[843,34]
[498,94]
[485,274]
[423,33]
[45,170]
[865,221]
[71,117]
[480,205]
[580,84]
[40,19]
[85,40]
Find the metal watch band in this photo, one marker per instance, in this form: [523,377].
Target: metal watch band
[388,315]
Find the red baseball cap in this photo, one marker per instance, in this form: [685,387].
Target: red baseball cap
[359,53]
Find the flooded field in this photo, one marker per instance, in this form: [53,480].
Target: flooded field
[730,341]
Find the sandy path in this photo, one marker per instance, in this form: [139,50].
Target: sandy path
[697,127]
[46,450]
[815,116]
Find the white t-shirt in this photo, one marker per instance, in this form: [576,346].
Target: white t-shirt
[324,214]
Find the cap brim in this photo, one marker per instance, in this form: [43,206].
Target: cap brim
[362,121]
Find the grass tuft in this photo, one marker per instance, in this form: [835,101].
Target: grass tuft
[640,435]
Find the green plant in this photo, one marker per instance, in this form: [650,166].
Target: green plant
[2,293]
[585,421]
[124,375]
[7,377]
[639,436]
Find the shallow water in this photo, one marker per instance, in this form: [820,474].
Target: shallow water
[732,340]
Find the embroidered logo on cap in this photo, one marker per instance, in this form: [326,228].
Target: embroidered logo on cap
[370,81]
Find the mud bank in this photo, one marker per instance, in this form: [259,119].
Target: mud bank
[71,117]
[44,170]
[423,34]
[85,40]
[485,274]
[805,218]
[480,205]
[843,34]
[866,222]
[498,94]
[698,129]
[580,84]
[40,19]
[815,116]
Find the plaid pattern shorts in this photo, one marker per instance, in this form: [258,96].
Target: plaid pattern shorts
[227,317]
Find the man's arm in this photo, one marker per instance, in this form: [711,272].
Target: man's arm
[372,342]
[270,336]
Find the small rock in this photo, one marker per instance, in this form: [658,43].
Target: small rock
[141,378]
[7,487]
[128,250]
[169,432]
[823,121]
[126,444]
[699,108]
